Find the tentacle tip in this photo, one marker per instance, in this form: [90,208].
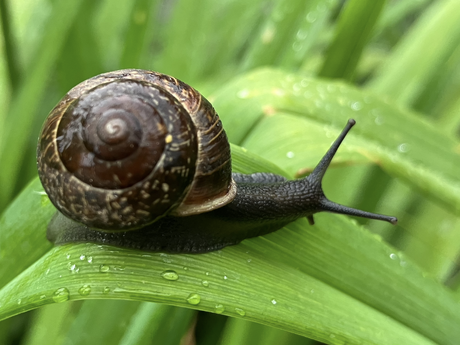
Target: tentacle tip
[393,220]
[311,221]
[351,122]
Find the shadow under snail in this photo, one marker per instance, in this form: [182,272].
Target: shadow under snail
[138,159]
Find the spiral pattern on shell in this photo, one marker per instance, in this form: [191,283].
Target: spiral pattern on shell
[125,148]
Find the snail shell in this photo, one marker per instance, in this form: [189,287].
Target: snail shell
[125,148]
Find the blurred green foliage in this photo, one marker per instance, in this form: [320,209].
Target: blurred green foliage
[284,76]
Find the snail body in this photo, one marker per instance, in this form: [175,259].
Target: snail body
[138,159]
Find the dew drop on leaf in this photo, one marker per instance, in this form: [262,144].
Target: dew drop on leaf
[104,268]
[193,299]
[219,308]
[170,275]
[240,311]
[85,290]
[61,295]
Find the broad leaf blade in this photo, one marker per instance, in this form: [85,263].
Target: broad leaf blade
[396,139]
[313,278]
[303,304]
[25,103]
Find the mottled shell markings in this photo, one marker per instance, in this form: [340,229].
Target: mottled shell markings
[118,142]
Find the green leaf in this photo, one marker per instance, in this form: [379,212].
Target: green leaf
[393,137]
[242,332]
[288,119]
[232,288]
[354,28]
[22,240]
[11,55]
[29,95]
[288,33]
[211,37]
[138,34]
[312,278]
[409,69]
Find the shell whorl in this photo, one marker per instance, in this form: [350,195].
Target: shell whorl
[125,148]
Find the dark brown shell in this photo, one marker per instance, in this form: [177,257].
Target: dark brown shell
[125,148]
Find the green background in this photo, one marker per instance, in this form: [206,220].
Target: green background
[284,77]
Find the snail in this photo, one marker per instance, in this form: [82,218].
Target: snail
[139,159]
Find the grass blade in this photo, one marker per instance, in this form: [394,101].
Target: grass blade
[354,28]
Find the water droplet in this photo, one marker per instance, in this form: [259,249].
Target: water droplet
[290,154]
[297,46]
[85,290]
[304,82]
[105,290]
[379,120]
[19,301]
[82,257]
[170,275]
[104,268]
[61,295]
[67,255]
[393,256]
[219,308]
[90,259]
[274,301]
[249,261]
[207,273]
[403,148]
[311,17]
[243,93]
[225,277]
[193,299]
[185,268]
[356,106]
[302,34]
[321,7]
[240,311]
[205,283]
[165,258]
[42,297]
[72,267]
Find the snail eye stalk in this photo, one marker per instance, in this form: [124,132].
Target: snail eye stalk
[316,177]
